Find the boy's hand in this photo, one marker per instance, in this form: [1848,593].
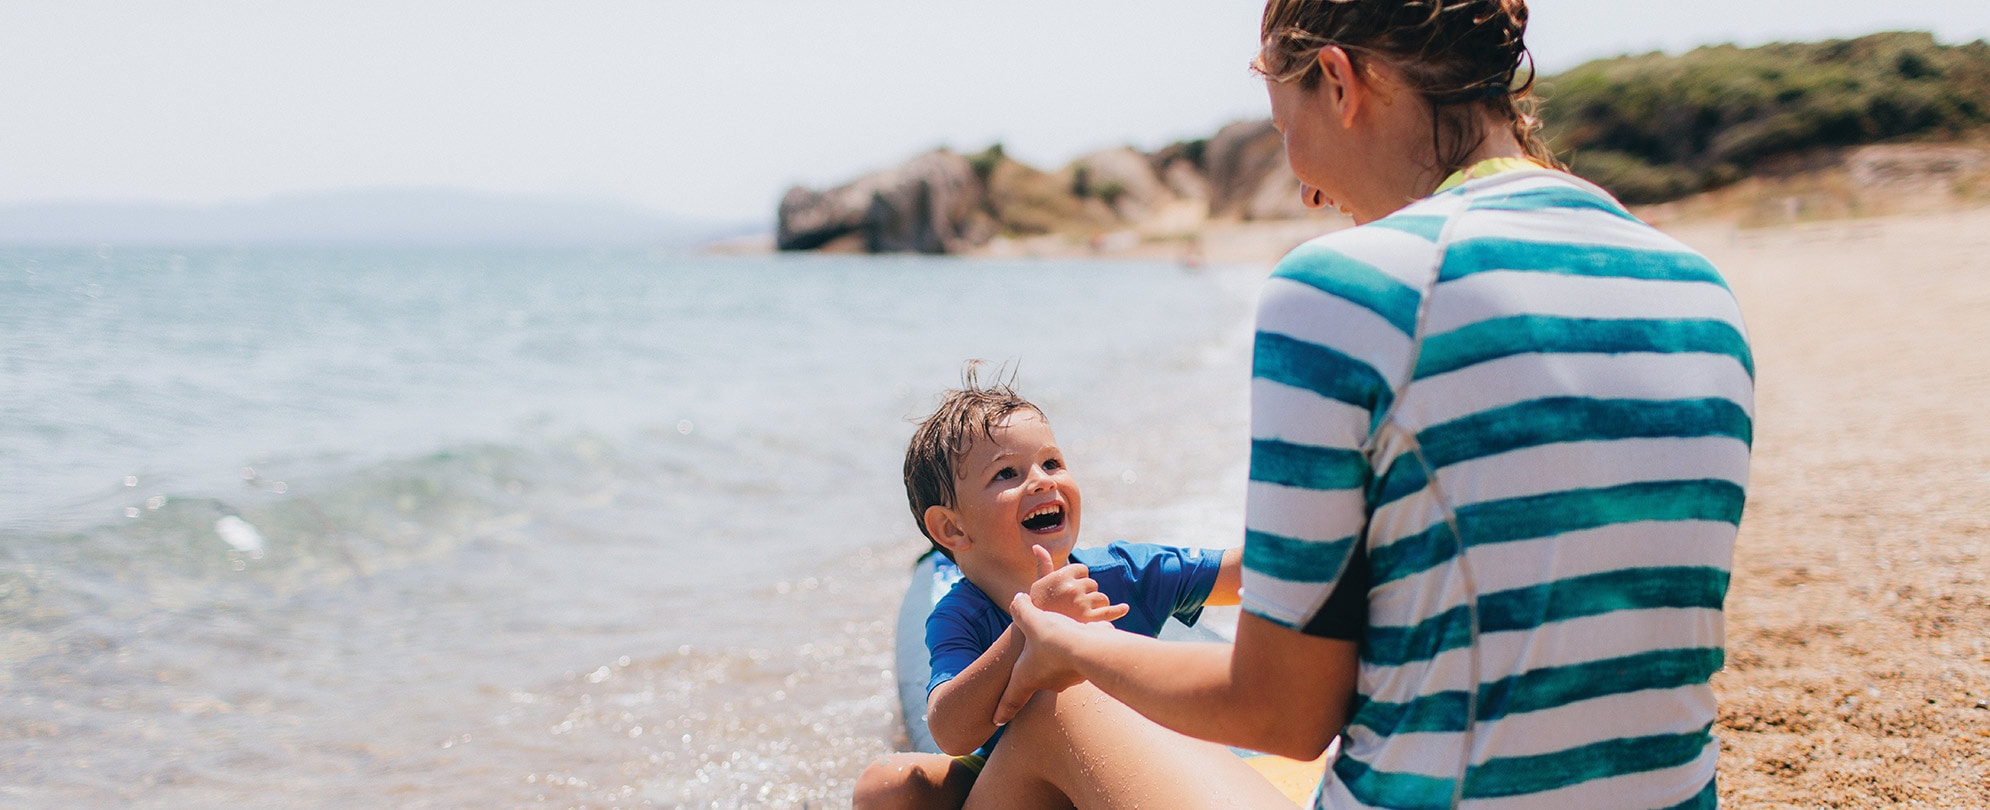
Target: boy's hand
[1045,662]
[1070,591]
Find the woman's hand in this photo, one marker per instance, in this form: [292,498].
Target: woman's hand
[1046,661]
[1070,591]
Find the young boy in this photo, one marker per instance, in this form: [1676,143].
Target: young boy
[989,487]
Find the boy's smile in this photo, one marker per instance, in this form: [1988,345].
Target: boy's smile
[1013,492]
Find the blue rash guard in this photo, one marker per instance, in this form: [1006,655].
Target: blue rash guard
[1154,581]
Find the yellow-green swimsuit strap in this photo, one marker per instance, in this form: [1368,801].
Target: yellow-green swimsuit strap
[1485,168]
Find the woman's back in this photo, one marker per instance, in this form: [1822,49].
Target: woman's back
[1518,370]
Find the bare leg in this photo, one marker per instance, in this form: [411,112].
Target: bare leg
[912,782]
[1082,748]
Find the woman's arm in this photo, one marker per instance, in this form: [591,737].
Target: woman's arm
[1275,690]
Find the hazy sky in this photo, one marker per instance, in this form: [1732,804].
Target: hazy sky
[692,107]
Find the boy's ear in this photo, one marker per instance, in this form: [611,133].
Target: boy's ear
[944,526]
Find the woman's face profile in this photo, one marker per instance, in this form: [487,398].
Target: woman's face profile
[1305,118]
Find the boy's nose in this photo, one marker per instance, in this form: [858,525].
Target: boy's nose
[1038,480]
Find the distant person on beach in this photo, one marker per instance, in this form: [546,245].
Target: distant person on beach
[1500,445]
[989,488]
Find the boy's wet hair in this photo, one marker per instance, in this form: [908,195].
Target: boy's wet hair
[965,415]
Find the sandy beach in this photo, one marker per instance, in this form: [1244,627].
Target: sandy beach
[1858,664]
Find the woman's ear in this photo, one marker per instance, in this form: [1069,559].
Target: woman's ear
[943,525]
[1340,83]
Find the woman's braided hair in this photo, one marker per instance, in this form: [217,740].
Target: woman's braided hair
[1458,54]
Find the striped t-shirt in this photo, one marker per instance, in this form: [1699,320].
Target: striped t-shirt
[1519,369]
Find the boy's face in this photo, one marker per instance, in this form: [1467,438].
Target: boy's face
[1013,492]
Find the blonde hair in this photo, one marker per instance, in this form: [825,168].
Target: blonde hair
[1464,57]
[965,415]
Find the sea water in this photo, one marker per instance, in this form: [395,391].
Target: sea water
[447,528]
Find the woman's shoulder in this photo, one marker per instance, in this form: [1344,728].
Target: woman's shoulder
[1536,190]
[1544,210]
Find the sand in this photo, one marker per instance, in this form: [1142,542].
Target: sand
[1858,668]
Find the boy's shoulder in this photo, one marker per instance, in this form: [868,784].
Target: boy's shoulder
[1112,565]
[1120,553]
[1134,565]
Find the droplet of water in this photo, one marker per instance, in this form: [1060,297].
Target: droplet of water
[684,426]
[131,480]
[1128,476]
[131,511]
[239,533]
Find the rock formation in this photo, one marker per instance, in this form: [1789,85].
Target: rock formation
[941,202]
[1124,180]
[932,203]
[1248,176]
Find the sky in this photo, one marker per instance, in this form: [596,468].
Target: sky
[707,109]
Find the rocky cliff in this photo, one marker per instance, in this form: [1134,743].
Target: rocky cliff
[934,203]
[942,202]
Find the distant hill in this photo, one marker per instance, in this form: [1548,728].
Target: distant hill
[1653,128]
[428,217]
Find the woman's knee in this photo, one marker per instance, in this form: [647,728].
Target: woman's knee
[1063,715]
[912,781]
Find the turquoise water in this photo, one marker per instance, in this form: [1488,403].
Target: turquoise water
[449,528]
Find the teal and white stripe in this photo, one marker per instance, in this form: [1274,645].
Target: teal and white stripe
[1519,368]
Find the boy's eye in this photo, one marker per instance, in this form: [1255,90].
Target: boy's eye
[1005,473]
[1054,464]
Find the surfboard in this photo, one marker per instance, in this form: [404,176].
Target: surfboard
[934,575]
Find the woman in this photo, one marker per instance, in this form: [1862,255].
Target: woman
[1500,442]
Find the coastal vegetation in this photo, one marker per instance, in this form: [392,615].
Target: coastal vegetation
[1654,127]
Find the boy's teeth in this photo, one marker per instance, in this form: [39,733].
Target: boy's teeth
[1044,518]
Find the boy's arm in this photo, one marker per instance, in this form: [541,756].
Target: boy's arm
[960,712]
[1229,580]
[965,705]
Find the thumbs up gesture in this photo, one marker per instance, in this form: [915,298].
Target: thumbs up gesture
[1070,591]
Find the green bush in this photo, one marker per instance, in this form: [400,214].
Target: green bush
[1656,127]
